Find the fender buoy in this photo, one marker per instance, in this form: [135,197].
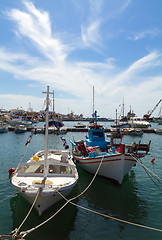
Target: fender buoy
[122,148]
[35,158]
[153,160]
[11,170]
[91,149]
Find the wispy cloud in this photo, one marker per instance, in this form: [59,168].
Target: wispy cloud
[90,29]
[55,68]
[35,25]
[144,34]
[146,62]
[90,34]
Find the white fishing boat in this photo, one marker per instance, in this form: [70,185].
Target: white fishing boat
[160,121]
[20,129]
[79,125]
[116,158]
[158,131]
[46,176]
[133,131]
[17,120]
[137,122]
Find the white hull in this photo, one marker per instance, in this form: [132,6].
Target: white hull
[113,167]
[14,123]
[138,123]
[46,198]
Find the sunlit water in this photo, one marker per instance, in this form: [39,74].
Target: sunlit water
[137,200]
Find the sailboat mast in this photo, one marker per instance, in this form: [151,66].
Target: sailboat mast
[46,134]
[123,108]
[93,100]
[53,102]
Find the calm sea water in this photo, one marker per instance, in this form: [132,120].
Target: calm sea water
[137,200]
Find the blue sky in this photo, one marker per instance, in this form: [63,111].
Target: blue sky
[73,45]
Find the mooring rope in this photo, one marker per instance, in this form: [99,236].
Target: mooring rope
[18,229]
[23,155]
[149,173]
[113,218]
[101,214]
[15,172]
[8,197]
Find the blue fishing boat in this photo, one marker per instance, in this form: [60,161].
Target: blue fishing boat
[56,122]
[116,159]
[3,127]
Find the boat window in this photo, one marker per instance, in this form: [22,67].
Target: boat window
[60,169]
[97,134]
[31,168]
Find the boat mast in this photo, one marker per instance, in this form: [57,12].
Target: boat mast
[116,118]
[93,100]
[46,134]
[123,108]
[53,102]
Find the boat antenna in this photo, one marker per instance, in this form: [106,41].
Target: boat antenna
[93,99]
[46,134]
[116,118]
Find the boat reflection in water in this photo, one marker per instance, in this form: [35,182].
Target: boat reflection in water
[57,228]
[121,202]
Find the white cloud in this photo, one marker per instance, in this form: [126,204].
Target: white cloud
[144,63]
[74,78]
[13,101]
[35,25]
[144,34]
[90,29]
[90,34]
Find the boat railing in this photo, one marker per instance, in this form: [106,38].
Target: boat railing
[139,147]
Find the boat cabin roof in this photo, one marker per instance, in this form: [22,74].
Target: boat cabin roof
[54,168]
[96,137]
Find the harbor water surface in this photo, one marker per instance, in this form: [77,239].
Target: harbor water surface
[137,200]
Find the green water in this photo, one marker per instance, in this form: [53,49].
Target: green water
[138,200]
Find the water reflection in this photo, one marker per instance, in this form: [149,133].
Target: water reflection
[57,228]
[119,201]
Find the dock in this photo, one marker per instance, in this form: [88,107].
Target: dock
[73,129]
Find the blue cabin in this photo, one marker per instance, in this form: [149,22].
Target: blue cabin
[96,135]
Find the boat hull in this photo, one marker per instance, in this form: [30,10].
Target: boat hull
[46,197]
[3,130]
[45,200]
[113,167]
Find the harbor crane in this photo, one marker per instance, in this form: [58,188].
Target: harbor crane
[151,111]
